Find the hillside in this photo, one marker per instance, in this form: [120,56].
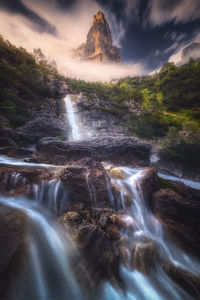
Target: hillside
[163,108]
[26,87]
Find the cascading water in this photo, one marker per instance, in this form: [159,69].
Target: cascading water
[73,119]
[156,285]
[46,274]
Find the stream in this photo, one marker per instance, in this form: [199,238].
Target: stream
[46,272]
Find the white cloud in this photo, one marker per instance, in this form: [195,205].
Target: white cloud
[72,30]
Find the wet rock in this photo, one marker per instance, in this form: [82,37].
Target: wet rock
[186,280]
[113,232]
[121,150]
[144,256]
[87,182]
[117,173]
[42,127]
[97,238]
[149,182]
[174,166]
[179,213]
[13,226]
[16,180]
[124,254]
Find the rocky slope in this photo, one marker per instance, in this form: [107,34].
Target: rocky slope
[99,47]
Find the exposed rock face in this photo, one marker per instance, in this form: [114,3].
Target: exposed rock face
[41,127]
[121,150]
[176,167]
[97,237]
[87,183]
[100,116]
[98,47]
[179,211]
[191,51]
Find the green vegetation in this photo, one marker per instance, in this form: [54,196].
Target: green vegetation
[164,107]
[23,83]
[183,145]
[167,105]
[165,184]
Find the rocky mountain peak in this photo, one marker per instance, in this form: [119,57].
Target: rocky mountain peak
[99,47]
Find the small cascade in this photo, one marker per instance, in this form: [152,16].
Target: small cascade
[73,118]
[46,272]
[147,228]
[52,195]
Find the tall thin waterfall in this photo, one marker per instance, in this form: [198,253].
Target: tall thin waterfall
[73,119]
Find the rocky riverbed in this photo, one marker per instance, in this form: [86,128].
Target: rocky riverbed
[125,223]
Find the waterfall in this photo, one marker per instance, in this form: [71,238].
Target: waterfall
[156,285]
[45,273]
[73,119]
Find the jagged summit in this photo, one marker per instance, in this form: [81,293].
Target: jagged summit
[98,47]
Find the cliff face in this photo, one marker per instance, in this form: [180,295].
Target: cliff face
[98,47]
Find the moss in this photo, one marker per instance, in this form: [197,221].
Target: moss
[164,184]
[61,138]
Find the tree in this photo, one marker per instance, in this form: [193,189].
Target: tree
[40,57]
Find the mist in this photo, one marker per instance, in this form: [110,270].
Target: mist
[71,31]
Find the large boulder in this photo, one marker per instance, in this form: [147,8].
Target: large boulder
[120,150]
[175,166]
[87,183]
[179,211]
[42,127]
[13,227]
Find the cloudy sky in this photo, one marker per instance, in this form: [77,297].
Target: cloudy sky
[149,32]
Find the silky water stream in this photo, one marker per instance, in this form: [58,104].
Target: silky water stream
[155,284]
[46,271]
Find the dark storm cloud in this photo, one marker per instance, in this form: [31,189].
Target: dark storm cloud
[38,23]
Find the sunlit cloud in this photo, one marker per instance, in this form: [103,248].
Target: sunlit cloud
[71,30]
